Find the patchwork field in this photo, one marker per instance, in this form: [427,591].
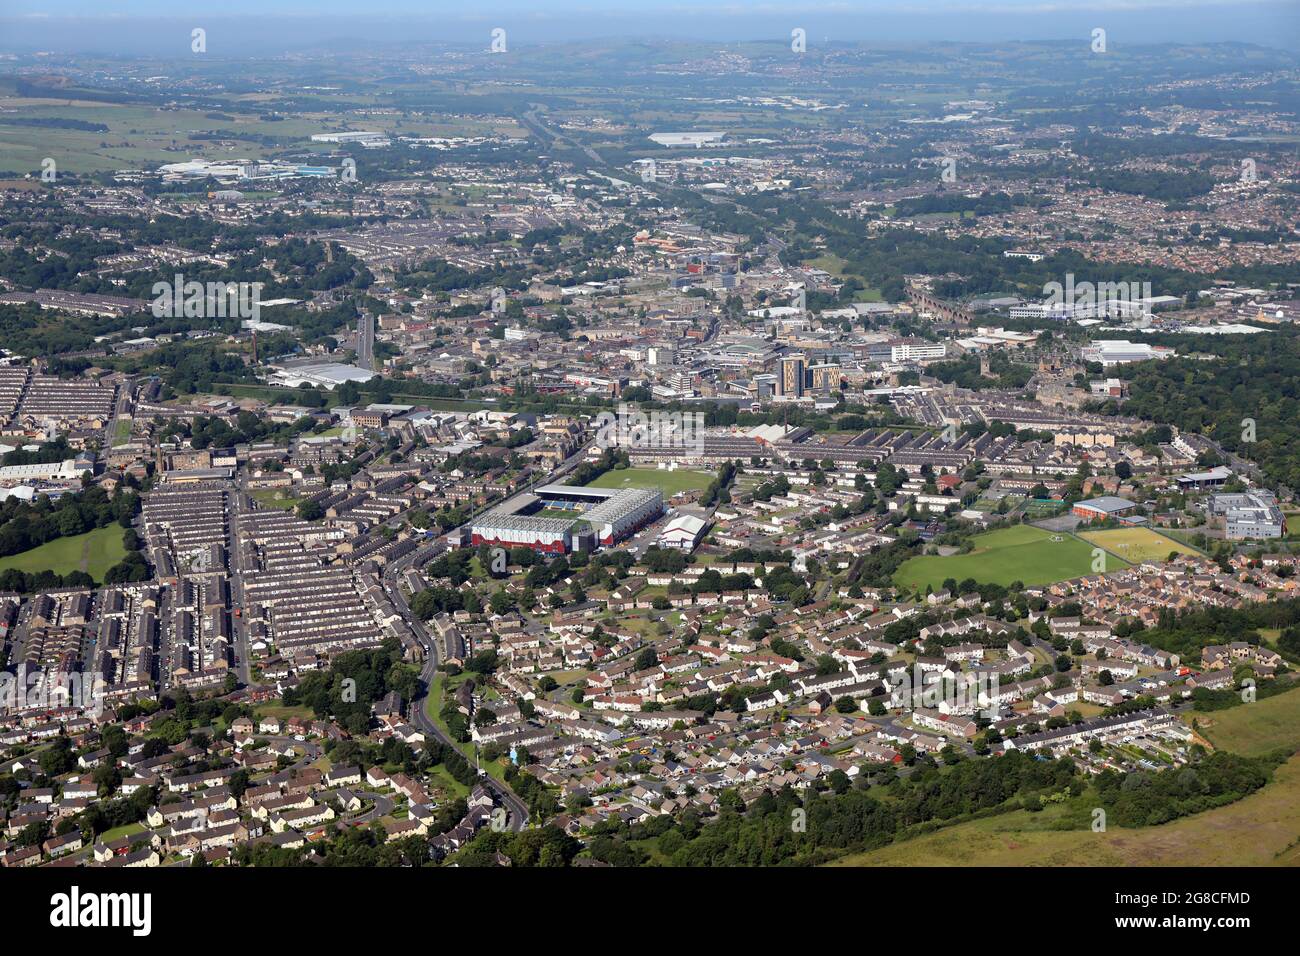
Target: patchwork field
[143,135]
[669,482]
[1020,553]
[1136,544]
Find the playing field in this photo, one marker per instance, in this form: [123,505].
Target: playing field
[93,552]
[1020,553]
[669,482]
[1136,544]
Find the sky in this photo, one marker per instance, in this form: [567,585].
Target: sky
[144,26]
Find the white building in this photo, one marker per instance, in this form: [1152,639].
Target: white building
[683,532]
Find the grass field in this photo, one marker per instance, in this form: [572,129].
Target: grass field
[93,552]
[274,498]
[143,135]
[1019,553]
[669,482]
[1260,830]
[1257,728]
[1136,544]
[433,707]
[1263,829]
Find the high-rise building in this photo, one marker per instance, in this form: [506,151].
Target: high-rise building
[366,342]
[825,377]
[791,382]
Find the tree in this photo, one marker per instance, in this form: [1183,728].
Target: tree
[846,705]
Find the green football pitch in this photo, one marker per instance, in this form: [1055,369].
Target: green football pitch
[669,482]
[1021,553]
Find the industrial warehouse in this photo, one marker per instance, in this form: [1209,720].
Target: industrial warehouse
[540,520]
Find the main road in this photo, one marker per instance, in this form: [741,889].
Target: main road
[419,713]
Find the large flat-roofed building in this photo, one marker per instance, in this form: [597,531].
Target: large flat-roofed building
[1110,352]
[687,139]
[1212,478]
[916,351]
[49,471]
[319,374]
[1250,514]
[1107,506]
[366,138]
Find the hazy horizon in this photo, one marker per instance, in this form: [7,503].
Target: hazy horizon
[244,28]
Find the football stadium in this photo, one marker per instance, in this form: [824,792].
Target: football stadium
[558,519]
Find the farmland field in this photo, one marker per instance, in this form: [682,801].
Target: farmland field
[1136,544]
[93,552]
[1020,553]
[142,135]
[669,482]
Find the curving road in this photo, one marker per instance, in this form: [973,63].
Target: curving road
[392,588]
